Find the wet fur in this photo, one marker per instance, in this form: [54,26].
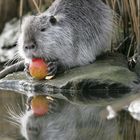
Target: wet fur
[81,33]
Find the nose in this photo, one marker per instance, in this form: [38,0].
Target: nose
[31,46]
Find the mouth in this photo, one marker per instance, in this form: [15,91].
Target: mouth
[38,53]
[33,55]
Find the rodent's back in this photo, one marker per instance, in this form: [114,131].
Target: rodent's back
[91,21]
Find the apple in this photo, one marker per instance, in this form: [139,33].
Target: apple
[39,105]
[38,68]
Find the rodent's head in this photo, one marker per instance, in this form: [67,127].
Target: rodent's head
[43,36]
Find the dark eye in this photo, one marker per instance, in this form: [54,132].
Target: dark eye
[43,29]
[53,20]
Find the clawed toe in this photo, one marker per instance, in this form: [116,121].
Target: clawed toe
[53,105]
[26,70]
[132,62]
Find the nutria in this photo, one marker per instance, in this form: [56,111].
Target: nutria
[69,34]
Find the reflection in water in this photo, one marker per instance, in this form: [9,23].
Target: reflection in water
[129,128]
[75,118]
[134,109]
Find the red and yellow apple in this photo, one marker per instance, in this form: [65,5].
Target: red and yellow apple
[38,68]
[39,105]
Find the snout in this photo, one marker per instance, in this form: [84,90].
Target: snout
[30,50]
[30,46]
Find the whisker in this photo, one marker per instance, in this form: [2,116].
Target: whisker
[13,114]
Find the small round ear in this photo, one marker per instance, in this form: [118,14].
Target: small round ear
[53,20]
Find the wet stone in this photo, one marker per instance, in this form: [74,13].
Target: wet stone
[107,78]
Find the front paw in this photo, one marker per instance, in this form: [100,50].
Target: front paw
[55,67]
[26,70]
[53,105]
[52,68]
